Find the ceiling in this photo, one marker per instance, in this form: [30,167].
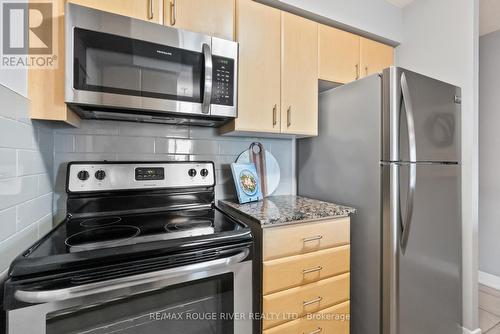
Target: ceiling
[489,16]
[400,3]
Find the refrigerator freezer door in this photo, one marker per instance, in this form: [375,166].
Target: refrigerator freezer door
[422,286]
[342,165]
[434,108]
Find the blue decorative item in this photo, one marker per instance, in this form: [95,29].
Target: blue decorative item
[246,182]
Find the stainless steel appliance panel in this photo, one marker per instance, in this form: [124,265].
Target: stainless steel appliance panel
[229,50]
[431,108]
[64,302]
[120,176]
[422,291]
[342,165]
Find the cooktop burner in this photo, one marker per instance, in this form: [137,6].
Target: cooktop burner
[139,229]
[126,211]
[176,227]
[101,237]
[95,222]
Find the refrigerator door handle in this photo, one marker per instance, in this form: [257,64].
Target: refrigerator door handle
[412,149]
[410,197]
[410,122]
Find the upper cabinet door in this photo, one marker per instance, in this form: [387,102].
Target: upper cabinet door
[210,17]
[299,75]
[148,10]
[375,56]
[258,31]
[338,55]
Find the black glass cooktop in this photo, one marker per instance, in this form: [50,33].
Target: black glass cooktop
[82,241]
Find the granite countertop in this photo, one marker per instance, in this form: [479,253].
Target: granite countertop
[287,209]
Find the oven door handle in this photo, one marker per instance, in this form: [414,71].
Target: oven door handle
[207,84]
[152,278]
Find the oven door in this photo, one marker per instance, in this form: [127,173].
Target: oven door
[208,297]
[117,62]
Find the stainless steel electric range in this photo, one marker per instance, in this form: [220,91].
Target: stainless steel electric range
[143,250]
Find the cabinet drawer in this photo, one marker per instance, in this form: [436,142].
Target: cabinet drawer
[288,272]
[303,238]
[282,306]
[334,320]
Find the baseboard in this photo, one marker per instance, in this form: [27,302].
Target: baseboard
[489,280]
[476,331]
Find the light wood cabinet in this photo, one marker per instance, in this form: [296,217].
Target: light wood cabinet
[278,72]
[299,75]
[345,57]
[305,299]
[304,238]
[334,320]
[305,272]
[338,55]
[46,86]
[149,10]
[374,56]
[213,17]
[258,31]
[289,272]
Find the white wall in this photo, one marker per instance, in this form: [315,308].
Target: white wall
[440,39]
[489,159]
[26,183]
[17,80]
[376,17]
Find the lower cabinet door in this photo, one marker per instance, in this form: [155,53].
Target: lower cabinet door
[333,320]
[279,242]
[292,271]
[294,303]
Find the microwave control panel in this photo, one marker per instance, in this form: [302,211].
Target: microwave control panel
[223,81]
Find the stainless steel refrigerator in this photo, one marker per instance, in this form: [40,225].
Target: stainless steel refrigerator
[389,145]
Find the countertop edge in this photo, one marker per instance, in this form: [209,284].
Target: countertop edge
[264,224]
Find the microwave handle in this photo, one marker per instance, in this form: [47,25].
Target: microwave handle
[207,83]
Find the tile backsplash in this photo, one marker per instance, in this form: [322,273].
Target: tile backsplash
[26,182]
[34,155]
[111,140]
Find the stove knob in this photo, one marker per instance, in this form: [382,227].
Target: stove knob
[100,175]
[83,175]
[192,172]
[204,172]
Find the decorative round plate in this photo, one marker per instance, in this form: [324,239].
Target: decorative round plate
[248,182]
[273,173]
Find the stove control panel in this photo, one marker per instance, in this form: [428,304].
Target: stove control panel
[149,173]
[109,176]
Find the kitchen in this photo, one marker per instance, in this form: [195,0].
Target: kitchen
[277,106]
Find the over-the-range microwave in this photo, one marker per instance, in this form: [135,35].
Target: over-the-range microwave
[123,68]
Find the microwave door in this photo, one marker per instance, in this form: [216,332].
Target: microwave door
[118,72]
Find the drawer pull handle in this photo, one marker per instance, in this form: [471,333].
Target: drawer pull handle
[275,108]
[312,270]
[318,237]
[313,301]
[173,12]
[151,14]
[316,331]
